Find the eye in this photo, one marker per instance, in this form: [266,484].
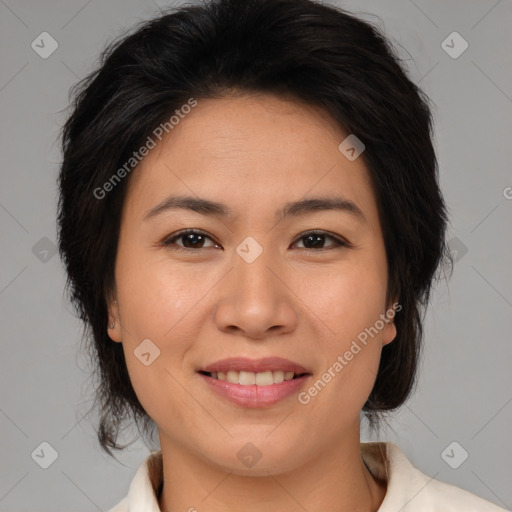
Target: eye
[315,239]
[192,237]
[193,240]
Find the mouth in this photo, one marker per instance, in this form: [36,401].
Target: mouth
[254,383]
[254,389]
[247,378]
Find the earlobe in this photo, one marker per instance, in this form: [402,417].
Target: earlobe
[389,333]
[114,324]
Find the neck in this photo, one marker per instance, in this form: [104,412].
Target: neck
[336,479]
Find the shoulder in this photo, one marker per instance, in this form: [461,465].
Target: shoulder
[122,506]
[143,490]
[449,498]
[408,489]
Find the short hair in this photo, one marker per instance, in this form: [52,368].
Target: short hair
[299,49]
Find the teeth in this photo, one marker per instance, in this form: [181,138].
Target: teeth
[249,378]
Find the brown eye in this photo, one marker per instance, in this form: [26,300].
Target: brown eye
[316,240]
[191,240]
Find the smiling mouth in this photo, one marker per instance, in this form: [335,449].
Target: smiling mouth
[244,378]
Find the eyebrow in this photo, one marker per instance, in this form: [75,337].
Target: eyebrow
[292,209]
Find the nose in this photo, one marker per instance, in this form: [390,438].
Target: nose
[257,299]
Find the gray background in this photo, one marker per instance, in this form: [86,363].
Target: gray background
[465,390]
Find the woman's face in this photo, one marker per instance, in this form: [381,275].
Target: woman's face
[253,284]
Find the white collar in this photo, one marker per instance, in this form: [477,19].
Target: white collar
[408,489]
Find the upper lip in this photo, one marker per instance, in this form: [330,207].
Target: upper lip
[239,364]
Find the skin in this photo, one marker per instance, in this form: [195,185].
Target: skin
[301,302]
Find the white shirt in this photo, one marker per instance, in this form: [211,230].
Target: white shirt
[408,489]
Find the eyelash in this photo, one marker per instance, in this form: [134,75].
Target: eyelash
[168,242]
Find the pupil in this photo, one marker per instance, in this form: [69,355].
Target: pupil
[317,240]
[190,238]
[310,240]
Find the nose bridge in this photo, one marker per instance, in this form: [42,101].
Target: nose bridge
[252,260]
[255,299]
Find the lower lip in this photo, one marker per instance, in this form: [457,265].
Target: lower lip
[253,395]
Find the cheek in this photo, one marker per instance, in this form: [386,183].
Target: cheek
[155,295]
[158,390]
[156,302]
[349,306]
[347,299]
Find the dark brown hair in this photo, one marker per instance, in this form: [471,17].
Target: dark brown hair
[302,49]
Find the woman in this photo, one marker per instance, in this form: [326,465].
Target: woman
[251,222]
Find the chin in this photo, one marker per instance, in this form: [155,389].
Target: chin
[258,458]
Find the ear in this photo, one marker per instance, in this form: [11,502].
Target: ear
[389,330]
[113,319]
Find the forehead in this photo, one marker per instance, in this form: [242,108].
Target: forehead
[253,152]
